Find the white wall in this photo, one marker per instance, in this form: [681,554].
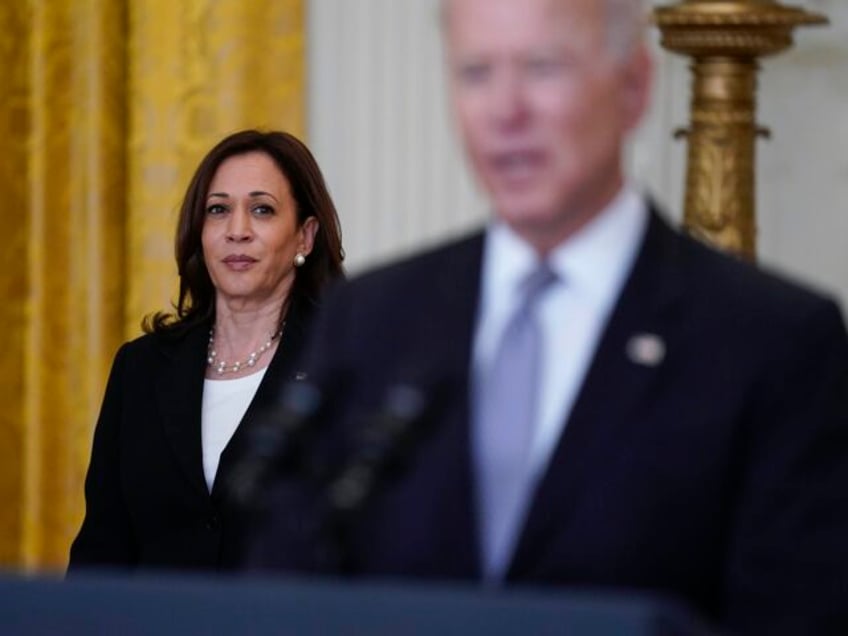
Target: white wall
[380,128]
[803,169]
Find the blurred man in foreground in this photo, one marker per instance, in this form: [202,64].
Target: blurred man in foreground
[601,401]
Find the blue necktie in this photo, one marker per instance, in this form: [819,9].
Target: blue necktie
[504,422]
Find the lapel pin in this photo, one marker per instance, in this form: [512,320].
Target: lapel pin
[647,349]
[300,376]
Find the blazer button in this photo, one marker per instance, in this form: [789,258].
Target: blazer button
[213,523]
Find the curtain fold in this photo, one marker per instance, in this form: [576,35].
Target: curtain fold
[14,280]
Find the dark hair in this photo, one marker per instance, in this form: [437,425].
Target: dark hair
[196,301]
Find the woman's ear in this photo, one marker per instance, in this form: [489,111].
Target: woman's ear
[307,235]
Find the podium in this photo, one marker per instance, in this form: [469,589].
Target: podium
[141,605]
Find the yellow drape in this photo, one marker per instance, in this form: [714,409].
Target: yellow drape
[105,109]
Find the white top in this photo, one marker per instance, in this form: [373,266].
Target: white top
[224,405]
[592,267]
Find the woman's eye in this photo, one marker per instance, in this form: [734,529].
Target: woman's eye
[216,208]
[263,210]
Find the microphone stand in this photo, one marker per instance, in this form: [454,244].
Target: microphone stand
[384,446]
[278,443]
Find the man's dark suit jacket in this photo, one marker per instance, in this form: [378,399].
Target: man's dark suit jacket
[147,503]
[718,476]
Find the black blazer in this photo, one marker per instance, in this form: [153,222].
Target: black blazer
[719,476]
[147,503]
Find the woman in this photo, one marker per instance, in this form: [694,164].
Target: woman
[257,239]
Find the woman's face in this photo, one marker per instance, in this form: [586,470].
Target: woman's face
[250,232]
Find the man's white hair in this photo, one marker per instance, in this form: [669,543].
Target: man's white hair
[626,21]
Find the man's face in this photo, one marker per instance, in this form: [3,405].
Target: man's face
[543,108]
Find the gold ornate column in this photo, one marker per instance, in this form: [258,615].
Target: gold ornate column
[725,38]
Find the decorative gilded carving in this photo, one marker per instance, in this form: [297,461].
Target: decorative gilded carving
[724,39]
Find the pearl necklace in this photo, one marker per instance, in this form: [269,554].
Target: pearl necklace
[221,366]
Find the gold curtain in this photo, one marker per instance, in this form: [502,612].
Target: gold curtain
[105,109]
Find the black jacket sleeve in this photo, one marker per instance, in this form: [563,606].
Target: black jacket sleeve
[106,537]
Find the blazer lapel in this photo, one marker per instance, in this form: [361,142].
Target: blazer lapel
[627,364]
[179,390]
[460,290]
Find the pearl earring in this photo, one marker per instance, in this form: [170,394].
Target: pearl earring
[299,260]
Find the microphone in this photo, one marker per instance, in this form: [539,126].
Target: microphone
[277,443]
[386,441]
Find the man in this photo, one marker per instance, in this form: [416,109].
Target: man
[651,415]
